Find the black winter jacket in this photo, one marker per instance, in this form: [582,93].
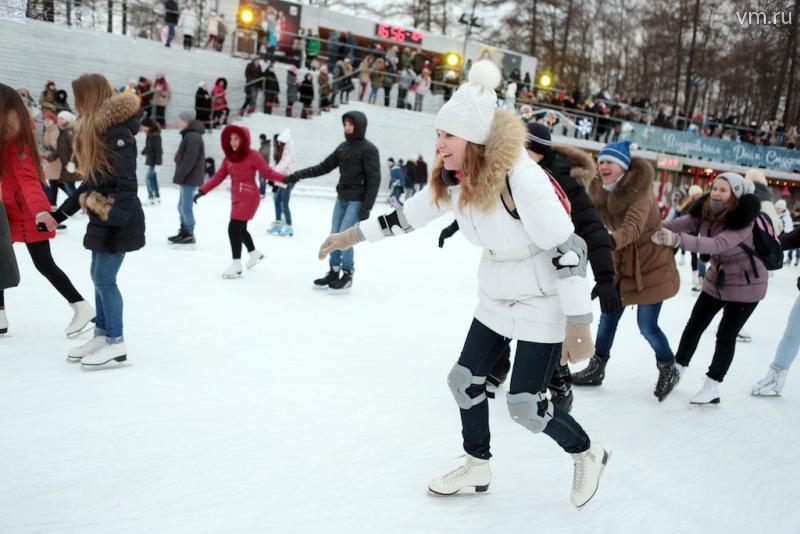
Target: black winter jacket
[171,12]
[587,222]
[153,153]
[421,172]
[359,165]
[191,155]
[116,219]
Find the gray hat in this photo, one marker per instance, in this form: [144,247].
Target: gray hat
[187,116]
[739,186]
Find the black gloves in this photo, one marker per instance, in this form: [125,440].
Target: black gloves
[610,300]
[59,216]
[447,233]
[363,215]
[197,196]
[291,179]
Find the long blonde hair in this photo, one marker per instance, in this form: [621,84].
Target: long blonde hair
[91,153]
[478,187]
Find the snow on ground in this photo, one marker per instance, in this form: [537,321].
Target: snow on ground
[261,405]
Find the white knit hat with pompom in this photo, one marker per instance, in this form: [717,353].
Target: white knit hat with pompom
[469,112]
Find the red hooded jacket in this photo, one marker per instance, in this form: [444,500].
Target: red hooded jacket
[23,196]
[242,166]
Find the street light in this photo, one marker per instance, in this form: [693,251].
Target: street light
[452,59]
[545,80]
[247,16]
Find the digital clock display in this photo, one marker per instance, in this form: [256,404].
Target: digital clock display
[398,34]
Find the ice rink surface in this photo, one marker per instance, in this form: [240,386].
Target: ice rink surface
[261,405]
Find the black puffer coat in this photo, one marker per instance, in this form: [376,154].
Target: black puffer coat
[191,155]
[359,165]
[116,219]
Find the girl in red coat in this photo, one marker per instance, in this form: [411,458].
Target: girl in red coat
[27,206]
[241,163]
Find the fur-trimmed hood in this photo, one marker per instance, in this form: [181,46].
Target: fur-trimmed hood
[118,109]
[244,146]
[504,146]
[635,183]
[584,168]
[747,207]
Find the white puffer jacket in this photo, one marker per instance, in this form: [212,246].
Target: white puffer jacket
[521,299]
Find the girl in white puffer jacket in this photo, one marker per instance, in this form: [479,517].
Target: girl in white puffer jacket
[532,277]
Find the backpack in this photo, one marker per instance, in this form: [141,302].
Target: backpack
[511,208]
[766,244]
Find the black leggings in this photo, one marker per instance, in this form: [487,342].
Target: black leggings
[560,382]
[734,315]
[44,263]
[238,234]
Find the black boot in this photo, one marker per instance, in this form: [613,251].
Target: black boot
[593,374]
[499,373]
[668,377]
[561,388]
[325,281]
[343,284]
[185,239]
[181,233]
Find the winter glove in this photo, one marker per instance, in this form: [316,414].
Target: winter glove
[363,215]
[578,344]
[447,233]
[197,196]
[340,241]
[610,301]
[291,179]
[666,238]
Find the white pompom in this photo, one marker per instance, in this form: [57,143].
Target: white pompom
[485,73]
[633,147]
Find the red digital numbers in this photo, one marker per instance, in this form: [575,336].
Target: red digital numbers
[416,37]
[398,34]
[383,31]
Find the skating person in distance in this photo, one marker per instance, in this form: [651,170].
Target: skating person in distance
[105,150]
[27,207]
[570,167]
[286,163]
[789,346]
[189,167]
[719,225]
[359,179]
[698,267]
[645,273]
[242,164]
[532,278]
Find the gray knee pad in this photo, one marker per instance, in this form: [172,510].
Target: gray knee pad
[531,410]
[459,379]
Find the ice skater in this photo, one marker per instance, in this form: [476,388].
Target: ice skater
[242,164]
[532,278]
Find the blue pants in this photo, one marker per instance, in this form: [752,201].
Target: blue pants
[186,207]
[647,318]
[170,33]
[397,192]
[152,183]
[107,298]
[281,199]
[533,366]
[790,342]
[345,215]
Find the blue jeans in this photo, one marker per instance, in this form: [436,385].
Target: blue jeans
[186,207]
[647,318]
[345,215]
[107,298]
[170,33]
[152,183]
[397,192]
[281,198]
[790,342]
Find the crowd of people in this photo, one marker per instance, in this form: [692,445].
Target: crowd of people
[540,213]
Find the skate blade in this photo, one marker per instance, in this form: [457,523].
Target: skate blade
[345,291]
[231,276]
[3,330]
[704,405]
[178,246]
[744,340]
[606,458]
[752,393]
[478,489]
[113,363]
[85,328]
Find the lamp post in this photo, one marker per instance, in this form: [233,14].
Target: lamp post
[470,22]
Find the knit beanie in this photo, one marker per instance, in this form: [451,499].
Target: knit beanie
[695,190]
[780,204]
[189,115]
[739,186]
[67,117]
[539,139]
[756,176]
[470,111]
[619,153]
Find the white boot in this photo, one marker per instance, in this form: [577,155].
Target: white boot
[84,314]
[682,260]
[3,322]
[234,271]
[108,353]
[708,395]
[589,466]
[90,347]
[681,371]
[254,258]
[772,384]
[697,283]
[743,337]
[474,473]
